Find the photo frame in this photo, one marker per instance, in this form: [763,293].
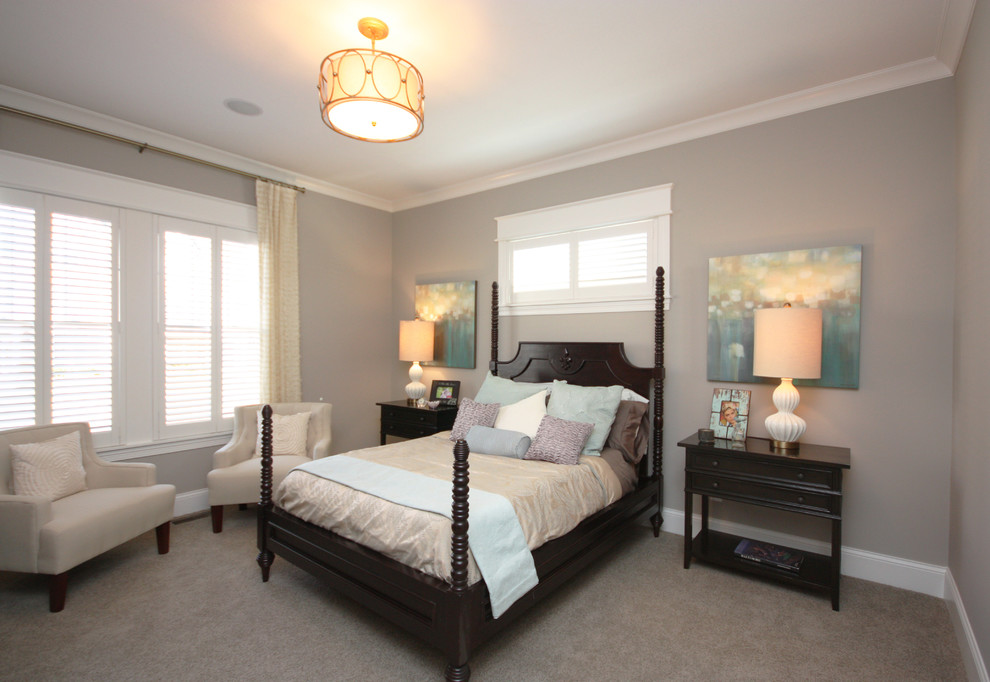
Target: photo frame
[730,413]
[445,391]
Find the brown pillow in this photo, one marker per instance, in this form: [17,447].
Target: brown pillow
[625,431]
[559,441]
[469,414]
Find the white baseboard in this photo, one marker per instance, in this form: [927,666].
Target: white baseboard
[976,669]
[856,563]
[192,502]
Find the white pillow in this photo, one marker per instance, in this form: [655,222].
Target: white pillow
[524,416]
[52,469]
[288,434]
[628,394]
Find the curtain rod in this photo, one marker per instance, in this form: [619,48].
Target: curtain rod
[142,146]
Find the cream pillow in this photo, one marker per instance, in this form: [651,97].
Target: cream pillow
[288,434]
[52,469]
[524,416]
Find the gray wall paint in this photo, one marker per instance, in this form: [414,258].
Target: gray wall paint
[877,171]
[969,541]
[345,279]
[345,273]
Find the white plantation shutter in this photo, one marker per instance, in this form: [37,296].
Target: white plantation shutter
[82,320]
[57,313]
[240,325]
[210,326]
[188,309]
[618,260]
[17,315]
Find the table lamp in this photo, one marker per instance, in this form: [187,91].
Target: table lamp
[415,345]
[787,344]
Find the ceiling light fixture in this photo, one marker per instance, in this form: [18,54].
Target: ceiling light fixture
[369,94]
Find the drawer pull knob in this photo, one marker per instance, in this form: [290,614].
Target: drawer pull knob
[714,463]
[801,498]
[715,484]
[801,476]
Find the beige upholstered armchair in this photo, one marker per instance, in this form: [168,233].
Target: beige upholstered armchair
[115,502]
[236,474]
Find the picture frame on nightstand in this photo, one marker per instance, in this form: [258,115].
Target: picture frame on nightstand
[445,391]
[730,413]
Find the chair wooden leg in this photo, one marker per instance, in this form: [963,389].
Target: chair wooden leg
[57,587]
[162,534]
[216,512]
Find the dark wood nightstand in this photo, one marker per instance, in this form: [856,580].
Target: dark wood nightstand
[399,418]
[806,481]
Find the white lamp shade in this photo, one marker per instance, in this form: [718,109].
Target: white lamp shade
[788,343]
[415,340]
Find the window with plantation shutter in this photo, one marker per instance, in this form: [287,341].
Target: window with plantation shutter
[17,314]
[240,320]
[135,310]
[82,320]
[210,325]
[598,255]
[57,313]
[188,347]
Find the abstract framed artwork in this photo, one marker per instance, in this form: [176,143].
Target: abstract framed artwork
[451,307]
[827,278]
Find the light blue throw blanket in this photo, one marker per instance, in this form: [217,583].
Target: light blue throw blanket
[494,534]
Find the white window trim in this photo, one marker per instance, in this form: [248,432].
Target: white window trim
[652,203]
[137,199]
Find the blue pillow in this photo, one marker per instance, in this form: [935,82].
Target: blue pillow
[505,391]
[591,404]
[502,442]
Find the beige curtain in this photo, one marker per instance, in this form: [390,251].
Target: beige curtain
[279,264]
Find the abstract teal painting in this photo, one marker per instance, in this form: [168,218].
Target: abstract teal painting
[451,307]
[826,278]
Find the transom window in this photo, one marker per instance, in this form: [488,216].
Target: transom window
[592,256]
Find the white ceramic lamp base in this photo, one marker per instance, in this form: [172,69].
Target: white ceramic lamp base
[415,389]
[785,427]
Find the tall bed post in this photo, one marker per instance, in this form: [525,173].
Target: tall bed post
[265,555]
[493,364]
[658,376]
[457,669]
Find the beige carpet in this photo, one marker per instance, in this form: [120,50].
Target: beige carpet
[202,613]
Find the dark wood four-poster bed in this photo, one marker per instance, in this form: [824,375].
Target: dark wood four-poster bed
[453,615]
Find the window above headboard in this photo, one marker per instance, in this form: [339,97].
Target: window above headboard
[597,255]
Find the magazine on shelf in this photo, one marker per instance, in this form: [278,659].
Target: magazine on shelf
[770,555]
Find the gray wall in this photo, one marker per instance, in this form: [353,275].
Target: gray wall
[345,276]
[878,172]
[969,540]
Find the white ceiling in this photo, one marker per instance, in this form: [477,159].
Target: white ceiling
[514,88]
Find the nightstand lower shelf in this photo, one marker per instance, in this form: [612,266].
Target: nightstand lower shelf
[815,570]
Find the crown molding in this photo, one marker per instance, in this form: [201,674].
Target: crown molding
[874,83]
[44,106]
[956,18]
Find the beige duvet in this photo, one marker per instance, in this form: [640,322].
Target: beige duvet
[549,499]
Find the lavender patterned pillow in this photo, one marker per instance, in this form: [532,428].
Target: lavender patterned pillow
[471,414]
[559,441]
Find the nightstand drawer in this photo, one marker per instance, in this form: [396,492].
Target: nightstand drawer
[408,416]
[407,430]
[726,464]
[735,488]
